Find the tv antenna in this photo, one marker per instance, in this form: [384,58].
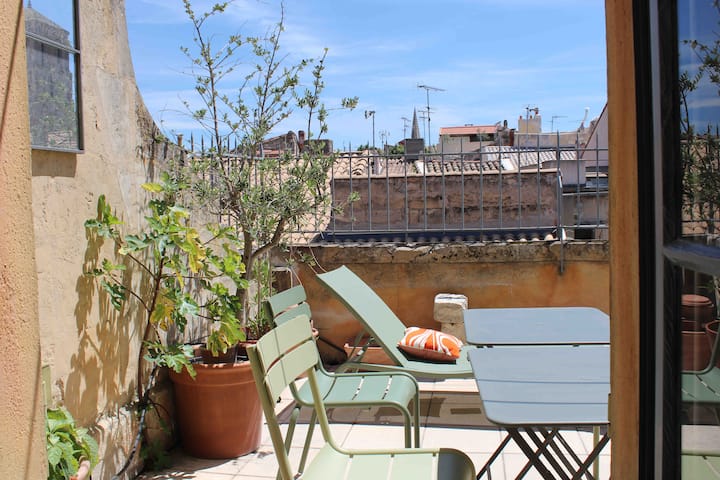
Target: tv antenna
[552,121]
[406,121]
[423,116]
[368,114]
[427,94]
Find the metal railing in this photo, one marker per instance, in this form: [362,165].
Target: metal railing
[491,194]
[480,194]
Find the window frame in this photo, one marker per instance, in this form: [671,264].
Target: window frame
[75,51]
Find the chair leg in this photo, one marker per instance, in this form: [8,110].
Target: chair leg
[408,427]
[290,431]
[308,438]
[416,419]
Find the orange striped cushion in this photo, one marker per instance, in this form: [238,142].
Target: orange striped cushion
[429,344]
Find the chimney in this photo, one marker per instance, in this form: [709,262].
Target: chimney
[301,139]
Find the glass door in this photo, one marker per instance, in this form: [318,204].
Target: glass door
[687,164]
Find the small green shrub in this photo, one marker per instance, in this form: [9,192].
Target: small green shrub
[67,445]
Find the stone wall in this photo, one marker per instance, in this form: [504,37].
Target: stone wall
[89,351]
[448,201]
[520,274]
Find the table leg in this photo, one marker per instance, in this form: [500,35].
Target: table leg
[592,456]
[551,446]
[596,463]
[534,455]
[571,453]
[486,468]
[540,446]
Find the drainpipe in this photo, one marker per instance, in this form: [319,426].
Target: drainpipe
[560,229]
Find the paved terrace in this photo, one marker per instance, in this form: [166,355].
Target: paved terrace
[450,414]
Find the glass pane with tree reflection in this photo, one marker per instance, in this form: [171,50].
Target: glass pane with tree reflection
[699,87]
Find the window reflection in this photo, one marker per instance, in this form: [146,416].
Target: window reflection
[699,88]
[52,60]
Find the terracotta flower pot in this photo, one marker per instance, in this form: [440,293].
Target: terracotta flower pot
[228,357]
[696,309]
[219,413]
[695,349]
[711,328]
[374,354]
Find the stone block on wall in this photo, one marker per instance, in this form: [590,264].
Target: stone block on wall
[449,311]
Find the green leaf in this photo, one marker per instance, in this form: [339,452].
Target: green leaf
[134,243]
[152,187]
[116,292]
[54,454]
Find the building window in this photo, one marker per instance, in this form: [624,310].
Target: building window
[53,60]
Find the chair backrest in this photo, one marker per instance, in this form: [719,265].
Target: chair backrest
[277,359]
[288,304]
[377,318]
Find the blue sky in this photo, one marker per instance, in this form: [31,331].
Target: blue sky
[491,58]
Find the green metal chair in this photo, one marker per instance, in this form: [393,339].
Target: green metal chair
[288,351]
[355,390]
[386,329]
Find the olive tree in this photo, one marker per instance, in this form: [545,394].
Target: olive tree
[264,196]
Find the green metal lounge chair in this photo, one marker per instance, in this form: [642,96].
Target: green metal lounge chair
[386,329]
[288,351]
[356,390]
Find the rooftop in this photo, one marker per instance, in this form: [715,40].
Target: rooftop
[451,416]
[469,130]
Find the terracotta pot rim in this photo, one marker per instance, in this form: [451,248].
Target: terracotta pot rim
[692,300]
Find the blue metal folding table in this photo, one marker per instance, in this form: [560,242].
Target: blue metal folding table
[521,404]
[536,390]
[533,391]
[536,326]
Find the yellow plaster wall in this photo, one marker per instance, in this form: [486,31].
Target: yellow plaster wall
[90,349]
[22,428]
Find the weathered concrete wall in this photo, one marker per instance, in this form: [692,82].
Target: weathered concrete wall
[22,421]
[520,274]
[89,348]
[415,201]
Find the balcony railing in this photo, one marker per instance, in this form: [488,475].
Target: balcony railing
[493,193]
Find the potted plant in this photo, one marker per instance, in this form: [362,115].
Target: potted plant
[181,280]
[212,274]
[262,190]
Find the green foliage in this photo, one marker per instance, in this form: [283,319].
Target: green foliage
[264,197]
[67,444]
[187,279]
[700,150]
[397,150]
